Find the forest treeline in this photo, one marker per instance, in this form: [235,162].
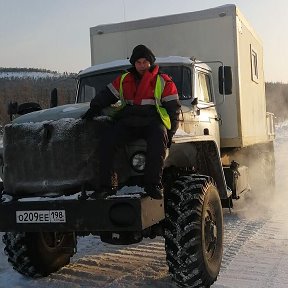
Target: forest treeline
[39,90]
[277,100]
[17,69]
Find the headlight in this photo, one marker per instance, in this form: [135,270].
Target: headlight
[138,162]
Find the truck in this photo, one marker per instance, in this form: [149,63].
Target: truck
[50,164]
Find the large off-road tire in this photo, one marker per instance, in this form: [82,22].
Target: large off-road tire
[193,231]
[38,254]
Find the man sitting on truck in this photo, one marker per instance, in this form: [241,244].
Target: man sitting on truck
[149,110]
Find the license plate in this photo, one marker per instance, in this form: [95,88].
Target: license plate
[41,216]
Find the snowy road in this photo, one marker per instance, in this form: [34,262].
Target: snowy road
[255,250]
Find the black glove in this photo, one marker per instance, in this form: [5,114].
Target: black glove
[91,112]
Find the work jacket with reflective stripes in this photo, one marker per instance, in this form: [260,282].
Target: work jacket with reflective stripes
[151,89]
[138,91]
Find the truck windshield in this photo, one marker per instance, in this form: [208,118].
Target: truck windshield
[91,85]
[181,76]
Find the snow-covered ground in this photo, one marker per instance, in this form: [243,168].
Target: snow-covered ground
[255,248]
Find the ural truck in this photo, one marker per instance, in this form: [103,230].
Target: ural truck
[51,167]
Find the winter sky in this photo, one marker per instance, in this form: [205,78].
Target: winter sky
[54,34]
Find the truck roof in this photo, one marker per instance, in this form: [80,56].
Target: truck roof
[228,9]
[124,64]
[215,12]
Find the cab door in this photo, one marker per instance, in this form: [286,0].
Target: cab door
[206,114]
[202,118]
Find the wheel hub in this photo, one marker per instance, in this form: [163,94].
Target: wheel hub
[210,234]
[213,230]
[52,239]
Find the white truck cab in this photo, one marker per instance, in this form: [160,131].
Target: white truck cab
[195,87]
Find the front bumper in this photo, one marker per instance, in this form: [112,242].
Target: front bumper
[125,213]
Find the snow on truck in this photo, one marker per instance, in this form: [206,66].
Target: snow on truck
[50,165]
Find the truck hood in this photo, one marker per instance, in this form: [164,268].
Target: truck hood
[65,111]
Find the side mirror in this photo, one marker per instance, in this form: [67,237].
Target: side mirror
[225,79]
[28,107]
[54,98]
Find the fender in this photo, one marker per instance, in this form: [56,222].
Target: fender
[201,155]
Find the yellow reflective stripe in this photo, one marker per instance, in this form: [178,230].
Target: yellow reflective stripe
[121,86]
[162,83]
[164,117]
[159,88]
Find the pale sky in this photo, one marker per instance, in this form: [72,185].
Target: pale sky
[54,34]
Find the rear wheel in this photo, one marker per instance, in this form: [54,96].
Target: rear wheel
[38,254]
[194,231]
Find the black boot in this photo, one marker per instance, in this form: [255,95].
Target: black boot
[154,191]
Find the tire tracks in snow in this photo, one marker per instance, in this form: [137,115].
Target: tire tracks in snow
[263,261]
[144,264]
[138,265]
[237,231]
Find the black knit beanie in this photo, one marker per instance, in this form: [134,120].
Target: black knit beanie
[141,51]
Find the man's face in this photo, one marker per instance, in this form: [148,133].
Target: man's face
[142,65]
